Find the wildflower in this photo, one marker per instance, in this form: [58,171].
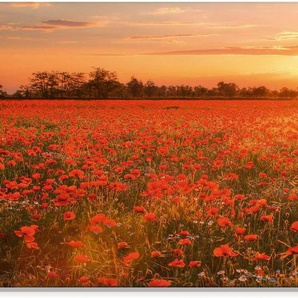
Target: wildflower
[240,231]
[177,263]
[156,254]
[259,271]
[224,222]
[33,245]
[267,218]
[294,226]
[159,283]
[293,197]
[177,252]
[183,233]
[75,244]
[131,257]
[109,223]
[122,245]
[150,217]
[27,233]
[242,278]
[97,218]
[251,237]
[139,209]
[213,211]
[185,241]
[95,229]
[292,250]
[261,256]
[52,274]
[76,173]
[84,279]
[109,282]
[224,251]
[194,264]
[81,258]
[69,215]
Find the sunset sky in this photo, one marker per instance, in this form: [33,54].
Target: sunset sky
[170,43]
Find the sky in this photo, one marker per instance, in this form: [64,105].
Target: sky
[251,44]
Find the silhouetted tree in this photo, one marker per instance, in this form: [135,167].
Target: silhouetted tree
[2,92]
[102,82]
[286,92]
[227,89]
[172,91]
[150,89]
[135,87]
[162,91]
[200,91]
[261,91]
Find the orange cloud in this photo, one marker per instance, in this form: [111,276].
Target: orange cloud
[254,51]
[280,51]
[33,5]
[171,10]
[59,24]
[6,27]
[286,35]
[168,36]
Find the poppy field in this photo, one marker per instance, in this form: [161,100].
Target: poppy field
[146,193]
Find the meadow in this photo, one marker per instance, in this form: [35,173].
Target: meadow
[148,193]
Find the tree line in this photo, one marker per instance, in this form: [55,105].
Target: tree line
[101,83]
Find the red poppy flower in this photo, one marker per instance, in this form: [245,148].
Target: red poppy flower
[259,271]
[156,254]
[293,197]
[75,244]
[194,264]
[69,215]
[267,218]
[213,211]
[109,282]
[292,250]
[81,258]
[224,251]
[185,241]
[76,173]
[224,222]
[177,263]
[131,257]
[27,233]
[33,245]
[129,176]
[95,229]
[122,245]
[139,209]
[183,233]
[52,274]
[150,217]
[177,252]
[294,226]
[109,223]
[159,283]
[240,231]
[261,256]
[251,237]
[97,218]
[84,279]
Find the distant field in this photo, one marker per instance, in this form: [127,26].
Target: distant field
[148,193]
